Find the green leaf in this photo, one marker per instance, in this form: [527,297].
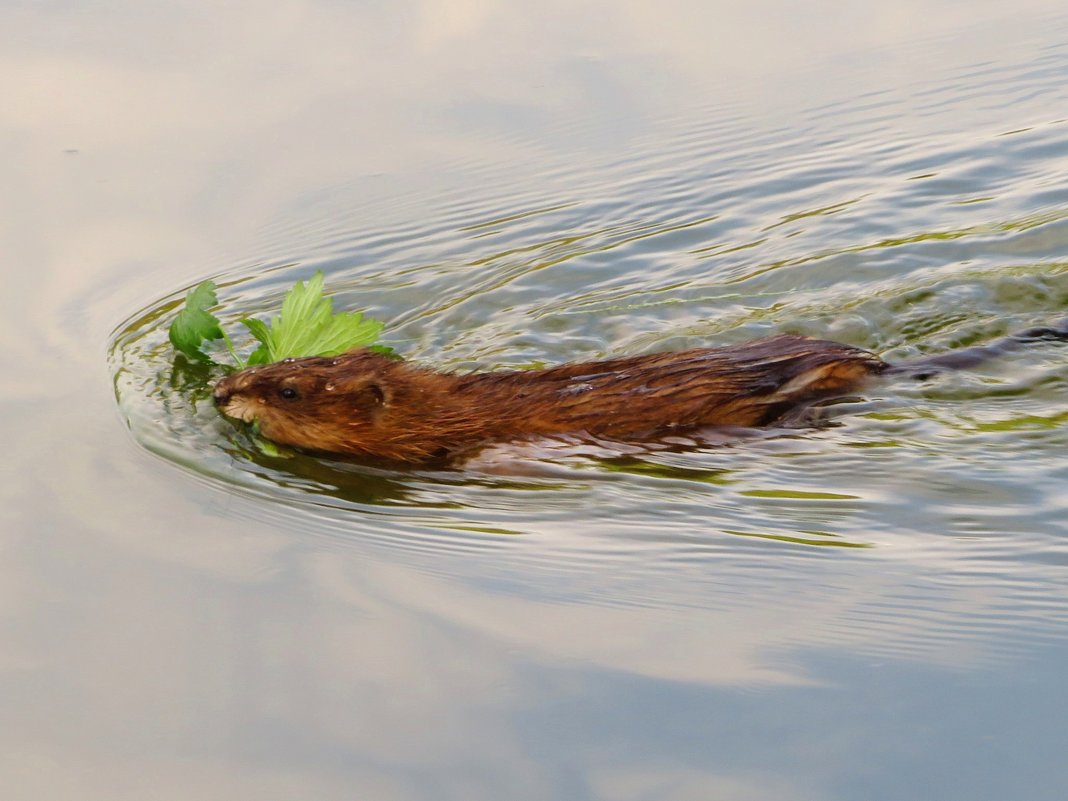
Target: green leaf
[265,446]
[258,356]
[194,325]
[307,326]
[258,328]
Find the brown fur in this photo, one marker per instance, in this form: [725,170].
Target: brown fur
[365,404]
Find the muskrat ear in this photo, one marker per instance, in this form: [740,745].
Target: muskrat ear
[364,390]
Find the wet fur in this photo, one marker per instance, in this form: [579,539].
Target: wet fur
[366,404]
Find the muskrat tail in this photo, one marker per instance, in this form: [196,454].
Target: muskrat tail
[970,357]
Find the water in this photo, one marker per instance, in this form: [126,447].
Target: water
[872,610]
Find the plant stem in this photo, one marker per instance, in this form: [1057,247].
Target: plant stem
[230,347]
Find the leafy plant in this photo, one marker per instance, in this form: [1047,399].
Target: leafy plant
[194,324]
[306,326]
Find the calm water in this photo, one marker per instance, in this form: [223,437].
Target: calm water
[874,610]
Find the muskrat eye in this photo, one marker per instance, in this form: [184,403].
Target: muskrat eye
[288,393]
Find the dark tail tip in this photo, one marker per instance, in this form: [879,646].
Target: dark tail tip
[970,357]
[1058,330]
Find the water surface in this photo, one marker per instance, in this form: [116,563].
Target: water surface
[873,610]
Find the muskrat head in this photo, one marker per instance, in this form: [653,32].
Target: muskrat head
[318,403]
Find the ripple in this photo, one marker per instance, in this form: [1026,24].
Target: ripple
[925,516]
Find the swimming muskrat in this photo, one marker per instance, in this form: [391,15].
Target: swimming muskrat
[364,403]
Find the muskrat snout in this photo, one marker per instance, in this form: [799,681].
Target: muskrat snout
[226,388]
[232,398]
[220,394]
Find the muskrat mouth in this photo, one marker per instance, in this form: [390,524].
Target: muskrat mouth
[239,408]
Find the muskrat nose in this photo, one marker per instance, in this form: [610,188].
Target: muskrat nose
[221,394]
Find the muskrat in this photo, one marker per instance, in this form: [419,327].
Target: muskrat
[367,404]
